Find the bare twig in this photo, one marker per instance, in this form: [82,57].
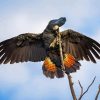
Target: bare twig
[83,93]
[60,49]
[71,86]
[63,67]
[81,89]
[96,98]
[70,78]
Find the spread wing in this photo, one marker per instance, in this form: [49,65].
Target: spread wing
[80,46]
[22,48]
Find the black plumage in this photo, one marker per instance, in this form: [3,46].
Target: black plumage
[37,47]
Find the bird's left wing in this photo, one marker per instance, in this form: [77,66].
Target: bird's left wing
[80,46]
[22,48]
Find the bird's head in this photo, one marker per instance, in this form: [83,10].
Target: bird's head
[56,23]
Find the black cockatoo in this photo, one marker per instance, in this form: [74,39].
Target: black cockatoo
[44,47]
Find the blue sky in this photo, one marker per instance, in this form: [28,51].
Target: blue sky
[25,81]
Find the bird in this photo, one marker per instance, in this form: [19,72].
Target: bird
[44,47]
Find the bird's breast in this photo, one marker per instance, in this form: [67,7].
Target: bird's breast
[48,39]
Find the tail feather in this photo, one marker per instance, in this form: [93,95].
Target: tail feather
[50,69]
[71,65]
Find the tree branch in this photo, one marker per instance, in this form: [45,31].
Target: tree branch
[71,86]
[69,76]
[63,67]
[83,93]
[96,98]
[81,89]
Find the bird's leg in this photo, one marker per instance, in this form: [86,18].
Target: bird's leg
[53,43]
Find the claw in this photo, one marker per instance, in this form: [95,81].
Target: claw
[53,43]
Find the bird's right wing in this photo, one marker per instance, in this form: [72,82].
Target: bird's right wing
[22,48]
[80,46]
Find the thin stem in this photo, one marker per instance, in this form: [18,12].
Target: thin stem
[81,90]
[60,49]
[82,94]
[63,67]
[71,86]
[96,98]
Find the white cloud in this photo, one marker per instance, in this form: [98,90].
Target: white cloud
[12,75]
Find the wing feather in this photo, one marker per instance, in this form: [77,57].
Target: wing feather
[81,52]
[80,46]
[95,53]
[22,48]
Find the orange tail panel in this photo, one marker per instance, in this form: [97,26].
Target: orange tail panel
[49,65]
[69,60]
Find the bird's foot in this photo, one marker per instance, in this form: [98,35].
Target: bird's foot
[53,43]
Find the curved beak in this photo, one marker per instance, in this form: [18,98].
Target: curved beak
[56,23]
[61,21]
